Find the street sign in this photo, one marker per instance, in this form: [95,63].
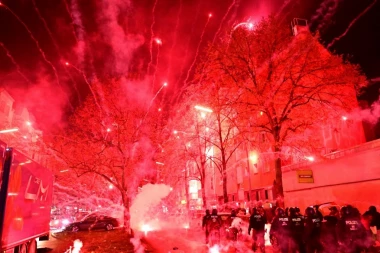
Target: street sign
[305,176]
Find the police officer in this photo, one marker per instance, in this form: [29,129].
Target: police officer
[312,232]
[330,237]
[280,230]
[257,223]
[350,230]
[213,225]
[296,231]
[205,219]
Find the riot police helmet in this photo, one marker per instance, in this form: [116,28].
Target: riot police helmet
[309,211]
[343,211]
[372,209]
[349,210]
[280,211]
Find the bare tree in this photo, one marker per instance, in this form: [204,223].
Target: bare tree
[113,137]
[286,85]
[191,143]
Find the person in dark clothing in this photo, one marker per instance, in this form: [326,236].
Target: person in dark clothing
[296,231]
[330,237]
[280,230]
[205,219]
[312,231]
[318,212]
[350,231]
[374,220]
[257,223]
[213,225]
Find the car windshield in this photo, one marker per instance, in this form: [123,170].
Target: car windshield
[92,216]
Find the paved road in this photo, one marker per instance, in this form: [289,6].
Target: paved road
[188,241]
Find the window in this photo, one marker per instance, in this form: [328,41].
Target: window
[270,194]
[255,169]
[257,196]
[266,167]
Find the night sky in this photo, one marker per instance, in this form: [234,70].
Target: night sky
[113,38]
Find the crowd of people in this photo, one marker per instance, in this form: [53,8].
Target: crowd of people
[341,230]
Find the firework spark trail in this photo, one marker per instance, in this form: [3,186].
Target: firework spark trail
[351,24]
[284,5]
[234,14]
[174,39]
[77,20]
[72,19]
[45,25]
[35,41]
[151,102]
[221,22]
[87,82]
[156,68]
[197,51]
[152,36]
[280,13]
[14,62]
[188,44]
[55,45]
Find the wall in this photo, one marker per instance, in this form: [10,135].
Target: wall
[350,176]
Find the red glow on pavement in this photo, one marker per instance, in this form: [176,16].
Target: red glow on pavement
[210,15]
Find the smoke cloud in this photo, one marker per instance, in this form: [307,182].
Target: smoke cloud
[324,13]
[146,203]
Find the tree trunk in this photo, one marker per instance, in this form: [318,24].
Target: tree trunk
[187,192]
[225,195]
[279,188]
[204,200]
[127,216]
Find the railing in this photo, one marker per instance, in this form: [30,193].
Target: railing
[335,155]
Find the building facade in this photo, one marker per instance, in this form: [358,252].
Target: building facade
[27,138]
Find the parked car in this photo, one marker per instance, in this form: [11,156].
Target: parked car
[92,222]
[60,221]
